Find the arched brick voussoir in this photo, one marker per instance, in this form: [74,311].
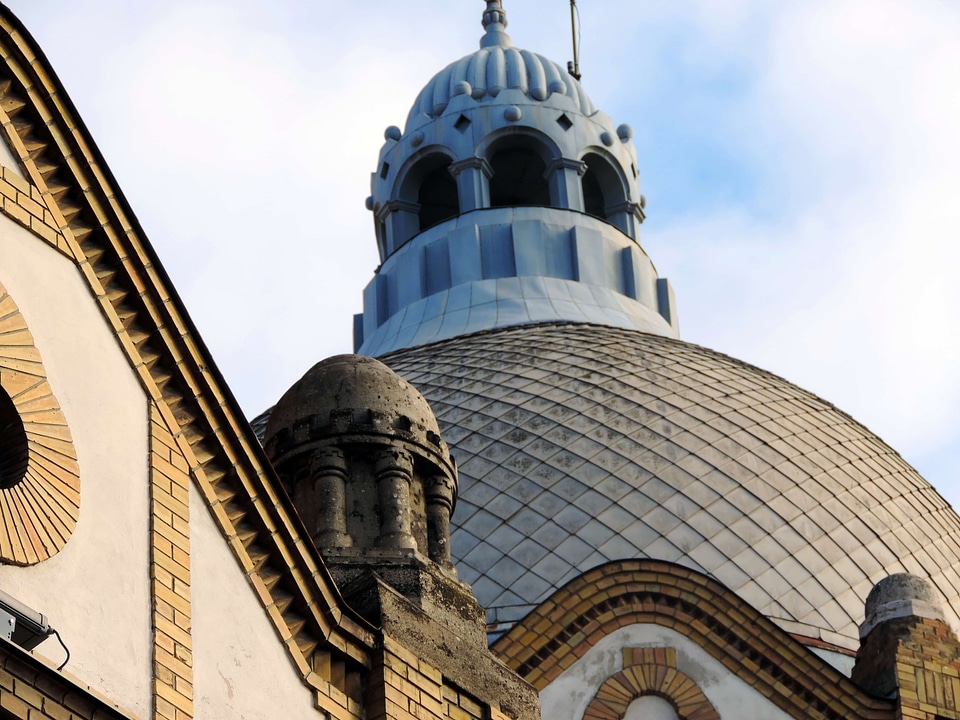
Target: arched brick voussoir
[40,507]
[633,592]
[650,671]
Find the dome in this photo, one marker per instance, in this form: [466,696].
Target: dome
[580,444]
[502,127]
[350,393]
[495,67]
[486,73]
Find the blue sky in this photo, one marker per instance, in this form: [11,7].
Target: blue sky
[800,159]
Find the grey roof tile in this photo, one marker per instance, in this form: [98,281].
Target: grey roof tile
[616,436]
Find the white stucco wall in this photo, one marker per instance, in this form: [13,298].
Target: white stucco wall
[240,666]
[96,590]
[567,697]
[7,159]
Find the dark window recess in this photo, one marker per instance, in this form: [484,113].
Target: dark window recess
[518,179]
[602,187]
[564,122]
[593,195]
[13,443]
[438,197]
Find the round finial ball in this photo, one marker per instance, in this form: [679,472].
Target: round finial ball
[392,133]
[462,88]
[369,202]
[417,139]
[625,133]
[513,113]
[606,138]
[643,202]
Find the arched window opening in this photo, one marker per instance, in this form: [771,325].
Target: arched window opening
[602,187]
[13,444]
[593,202]
[650,707]
[437,195]
[518,178]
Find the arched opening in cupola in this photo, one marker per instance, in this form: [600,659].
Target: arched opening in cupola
[437,195]
[519,178]
[603,188]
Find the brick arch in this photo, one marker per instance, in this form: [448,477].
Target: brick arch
[39,511]
[650,671]
[562,629]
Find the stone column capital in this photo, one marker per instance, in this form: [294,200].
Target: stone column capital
[472,163]
[393,459]
[565,164]
[328,459]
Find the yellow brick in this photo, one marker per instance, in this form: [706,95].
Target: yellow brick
[30,205]
[182,620]
[163,674]
[11,208]
[173,599]
[13,704]
[178,634]
[14,179]
[45,231]
[56,711]
[177,538]
[8,190]
[165,709]
[184,687]
[173,697]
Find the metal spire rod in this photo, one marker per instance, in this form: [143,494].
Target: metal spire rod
[574,67]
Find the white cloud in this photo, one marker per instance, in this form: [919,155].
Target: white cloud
[244,133]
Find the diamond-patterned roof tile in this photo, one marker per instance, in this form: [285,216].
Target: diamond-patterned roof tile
[617,443]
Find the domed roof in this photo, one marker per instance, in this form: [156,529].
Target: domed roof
[484,74]
[581,444]
[350,384]
[495,67]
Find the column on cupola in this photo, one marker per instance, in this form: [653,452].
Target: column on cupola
[440,494]
[399,220]
[627,216]
[473,183]
[328,494]
[393,470]
[563,176]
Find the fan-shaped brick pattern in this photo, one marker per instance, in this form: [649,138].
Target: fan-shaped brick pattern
[39,507]
[582,444]
[650,671]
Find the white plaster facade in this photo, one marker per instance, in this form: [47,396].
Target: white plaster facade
[96,591]
[567,697]
[236,649]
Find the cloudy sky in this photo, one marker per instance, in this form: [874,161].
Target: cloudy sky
[801,161]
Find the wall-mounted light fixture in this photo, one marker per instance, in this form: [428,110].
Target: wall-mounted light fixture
[21,625]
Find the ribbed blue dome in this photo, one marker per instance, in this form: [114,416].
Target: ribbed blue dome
[487,72]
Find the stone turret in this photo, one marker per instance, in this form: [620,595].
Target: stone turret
[359,451]
[908,652]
